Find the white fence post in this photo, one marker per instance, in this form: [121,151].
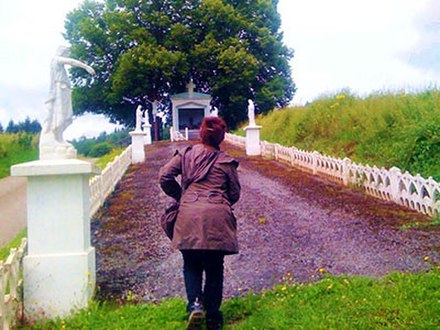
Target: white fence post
[395,175]
[346,163]
[10,273]
[315,156]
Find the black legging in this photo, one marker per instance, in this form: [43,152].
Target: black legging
[195,262]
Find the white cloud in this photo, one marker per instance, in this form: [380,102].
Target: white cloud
[355,44]
[426,53]
[89,125]
[364,45]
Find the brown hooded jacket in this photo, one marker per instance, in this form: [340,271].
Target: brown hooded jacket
[205,220]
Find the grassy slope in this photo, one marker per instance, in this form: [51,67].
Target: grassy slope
[387,130]
[397,301]
[15,243]
[13,152]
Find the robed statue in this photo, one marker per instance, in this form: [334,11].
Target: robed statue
[251,113]
[59,107]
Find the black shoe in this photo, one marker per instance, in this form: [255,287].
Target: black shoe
[214,321]
[196,316]
[213,324]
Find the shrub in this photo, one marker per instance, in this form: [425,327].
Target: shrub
[100,149]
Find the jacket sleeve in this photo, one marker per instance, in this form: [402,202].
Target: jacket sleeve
[167,177]
[233,183]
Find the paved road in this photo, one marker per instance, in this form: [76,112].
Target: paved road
[12,207]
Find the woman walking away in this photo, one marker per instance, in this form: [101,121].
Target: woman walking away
[205,229]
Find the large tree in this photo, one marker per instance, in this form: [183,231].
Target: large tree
[146,50]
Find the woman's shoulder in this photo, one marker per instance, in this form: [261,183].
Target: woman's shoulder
[183,150]
[224,158]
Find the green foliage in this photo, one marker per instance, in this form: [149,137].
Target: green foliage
[15,243]
[397,301]
[16,149]
[104,160]
[26,126]
[88,146]
[147,50]
[383,129]
[100,149]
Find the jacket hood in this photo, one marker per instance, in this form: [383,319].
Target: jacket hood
[197,161]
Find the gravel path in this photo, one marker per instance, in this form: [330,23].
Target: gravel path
[13,207]
[290,224]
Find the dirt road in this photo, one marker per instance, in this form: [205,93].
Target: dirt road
[12,207]
[291,224]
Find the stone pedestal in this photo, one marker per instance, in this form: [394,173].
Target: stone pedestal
[253,140]
[137,147]
[147,131]
[59,270]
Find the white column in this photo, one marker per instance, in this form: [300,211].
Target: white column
[59,270]
[171,133]
[147,131]
[253,140]
[137,147]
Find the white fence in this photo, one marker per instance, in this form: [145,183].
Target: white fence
[102,185]
[11,286]
[415,192]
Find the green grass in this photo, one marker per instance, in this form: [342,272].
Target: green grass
[15,243]
[383,129]
[16,149]
[104,160]
[396,301]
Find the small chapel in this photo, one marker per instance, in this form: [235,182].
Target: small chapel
[188,110]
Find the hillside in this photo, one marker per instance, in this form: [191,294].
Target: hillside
[386,129]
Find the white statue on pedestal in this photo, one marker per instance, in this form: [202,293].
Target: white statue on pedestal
[251,113]
[59,106]
[214,112]
[139,118]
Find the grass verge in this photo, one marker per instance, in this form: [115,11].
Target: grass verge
[15,149]
[104,160]
[396,301]
[15,243]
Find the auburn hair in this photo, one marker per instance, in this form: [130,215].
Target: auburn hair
[212,131]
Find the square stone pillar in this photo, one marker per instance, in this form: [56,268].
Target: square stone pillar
[59,269]
[137,147]
[147,131]
[253,140]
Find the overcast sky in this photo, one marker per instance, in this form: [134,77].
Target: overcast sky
[364,45]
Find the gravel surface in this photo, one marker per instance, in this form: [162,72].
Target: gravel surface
[291,224]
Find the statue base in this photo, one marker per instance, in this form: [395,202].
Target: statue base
[137,147]
[59,270]
[253,140]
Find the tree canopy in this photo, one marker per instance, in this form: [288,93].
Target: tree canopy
[146,50]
